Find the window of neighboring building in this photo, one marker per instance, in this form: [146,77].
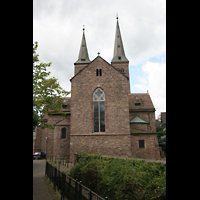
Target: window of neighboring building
[63,133]
[99,110]
[141,143]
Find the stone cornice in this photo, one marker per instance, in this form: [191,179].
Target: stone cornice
[100,134]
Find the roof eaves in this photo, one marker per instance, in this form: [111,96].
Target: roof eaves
[79,71]
[120,72]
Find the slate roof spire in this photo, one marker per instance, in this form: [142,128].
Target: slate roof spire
[83,57]
[119,54]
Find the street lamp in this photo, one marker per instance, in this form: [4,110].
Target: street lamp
[46,147]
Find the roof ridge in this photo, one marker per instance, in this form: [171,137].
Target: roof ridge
[92,62]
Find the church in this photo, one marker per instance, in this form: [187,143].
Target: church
[102,116]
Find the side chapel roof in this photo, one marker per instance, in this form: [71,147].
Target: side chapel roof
[140,102]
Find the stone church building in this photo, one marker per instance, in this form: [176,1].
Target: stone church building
[103,117]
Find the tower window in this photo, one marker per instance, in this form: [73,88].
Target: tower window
[99,110]
[98,72]
[63,133]
[119,57]
[118,46]
[141,143]
[82,59]
[121,70]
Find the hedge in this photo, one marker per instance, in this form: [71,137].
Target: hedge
[121,179]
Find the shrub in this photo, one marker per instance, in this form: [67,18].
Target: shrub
[124,179]
[80,155]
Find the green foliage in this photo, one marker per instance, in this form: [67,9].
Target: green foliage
[35,119]
[122,179]
[80,155]
[161,133]
[47,92]
[160,128]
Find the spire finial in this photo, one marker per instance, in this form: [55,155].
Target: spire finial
[83,27]
[117,15]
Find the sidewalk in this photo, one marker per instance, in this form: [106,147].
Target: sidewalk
[40,189]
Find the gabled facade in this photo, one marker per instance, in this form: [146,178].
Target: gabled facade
[103,116]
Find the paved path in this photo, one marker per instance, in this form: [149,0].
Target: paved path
[40,190]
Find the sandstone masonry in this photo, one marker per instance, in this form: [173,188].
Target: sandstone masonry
[102,116]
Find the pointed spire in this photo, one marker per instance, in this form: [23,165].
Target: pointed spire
[119,54]
[83,57]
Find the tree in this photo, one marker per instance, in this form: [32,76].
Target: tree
[35,119]
[47,92]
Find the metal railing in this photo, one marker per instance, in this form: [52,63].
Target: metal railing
[68,187]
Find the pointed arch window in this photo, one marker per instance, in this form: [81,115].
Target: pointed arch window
[99,110]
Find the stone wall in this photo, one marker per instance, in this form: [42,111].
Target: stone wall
[37,140]
[105,144]
[116,88]
[151,147]
[61,145]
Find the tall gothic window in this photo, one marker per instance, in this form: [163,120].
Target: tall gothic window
[99,110]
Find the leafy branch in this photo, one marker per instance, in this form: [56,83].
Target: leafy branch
[48,95]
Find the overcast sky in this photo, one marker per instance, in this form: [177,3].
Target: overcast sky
[57,27]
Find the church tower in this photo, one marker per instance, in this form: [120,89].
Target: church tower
[119,60]
[83,58]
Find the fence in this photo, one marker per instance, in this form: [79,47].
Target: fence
[56,159]
[61,163]
[68,187]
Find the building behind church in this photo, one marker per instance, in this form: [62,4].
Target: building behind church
[102,116]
